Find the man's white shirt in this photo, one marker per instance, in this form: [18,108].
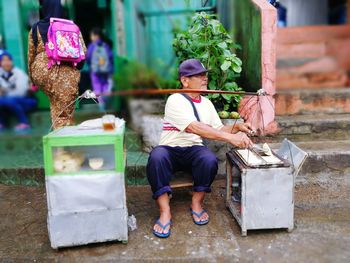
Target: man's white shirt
[179,114]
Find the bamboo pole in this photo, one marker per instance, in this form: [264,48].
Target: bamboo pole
[172,91]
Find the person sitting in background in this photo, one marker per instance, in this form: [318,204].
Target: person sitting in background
[14,89]
[100,61]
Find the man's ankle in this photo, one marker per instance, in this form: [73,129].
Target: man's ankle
[196,206]
[165,212]
[165,216]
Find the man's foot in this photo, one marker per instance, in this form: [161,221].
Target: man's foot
[200,218]
[199,215]
[163,224]
[163,233]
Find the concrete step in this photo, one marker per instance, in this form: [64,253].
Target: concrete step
[40,119]
[311,34]
[313,57]
[314,127]
[313,101]
[21,159]
[26,144]
[311,80]
[136,168]
[27,169]
[317,73]
[313,48]
[314,42]
[327,164]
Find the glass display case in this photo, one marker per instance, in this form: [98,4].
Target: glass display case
[85,185]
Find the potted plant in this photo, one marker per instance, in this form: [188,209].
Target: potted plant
[146,112]
[208,41]
[134,75]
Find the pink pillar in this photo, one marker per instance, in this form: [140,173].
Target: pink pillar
[263,117]
[348,12]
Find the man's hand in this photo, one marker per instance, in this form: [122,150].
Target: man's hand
[240,140]
[245,127]
[238,127]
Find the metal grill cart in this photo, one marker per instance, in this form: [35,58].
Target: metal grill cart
[85,186]
[260,191]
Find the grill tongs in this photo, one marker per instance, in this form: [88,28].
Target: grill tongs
[261,151]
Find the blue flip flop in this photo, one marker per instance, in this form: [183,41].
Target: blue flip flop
[159,234]
[200,222]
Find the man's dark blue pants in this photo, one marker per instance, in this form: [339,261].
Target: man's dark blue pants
[164,161]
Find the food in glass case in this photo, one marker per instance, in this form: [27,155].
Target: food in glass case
[96,163]
[68,162]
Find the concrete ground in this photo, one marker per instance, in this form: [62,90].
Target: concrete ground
[322,233]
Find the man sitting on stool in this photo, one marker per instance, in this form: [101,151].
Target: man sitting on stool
[181,146]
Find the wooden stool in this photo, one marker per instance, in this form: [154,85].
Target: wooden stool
[182,180]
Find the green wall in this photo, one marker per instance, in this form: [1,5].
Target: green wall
[12,25]
[149,27]
[247,33]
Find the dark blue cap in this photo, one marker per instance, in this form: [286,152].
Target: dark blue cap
[5,53]
[191,67]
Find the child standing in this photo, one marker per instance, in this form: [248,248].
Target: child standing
[100,61]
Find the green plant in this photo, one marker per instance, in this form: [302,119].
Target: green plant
[134,75]
[208,41]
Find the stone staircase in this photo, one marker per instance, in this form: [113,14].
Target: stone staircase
[313,99]
[313,57]
[317,127]
[325,137]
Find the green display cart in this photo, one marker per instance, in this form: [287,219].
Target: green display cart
[85,185]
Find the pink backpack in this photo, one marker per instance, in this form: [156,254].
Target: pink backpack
[63,42]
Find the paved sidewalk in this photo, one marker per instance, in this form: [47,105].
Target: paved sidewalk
[322,233]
